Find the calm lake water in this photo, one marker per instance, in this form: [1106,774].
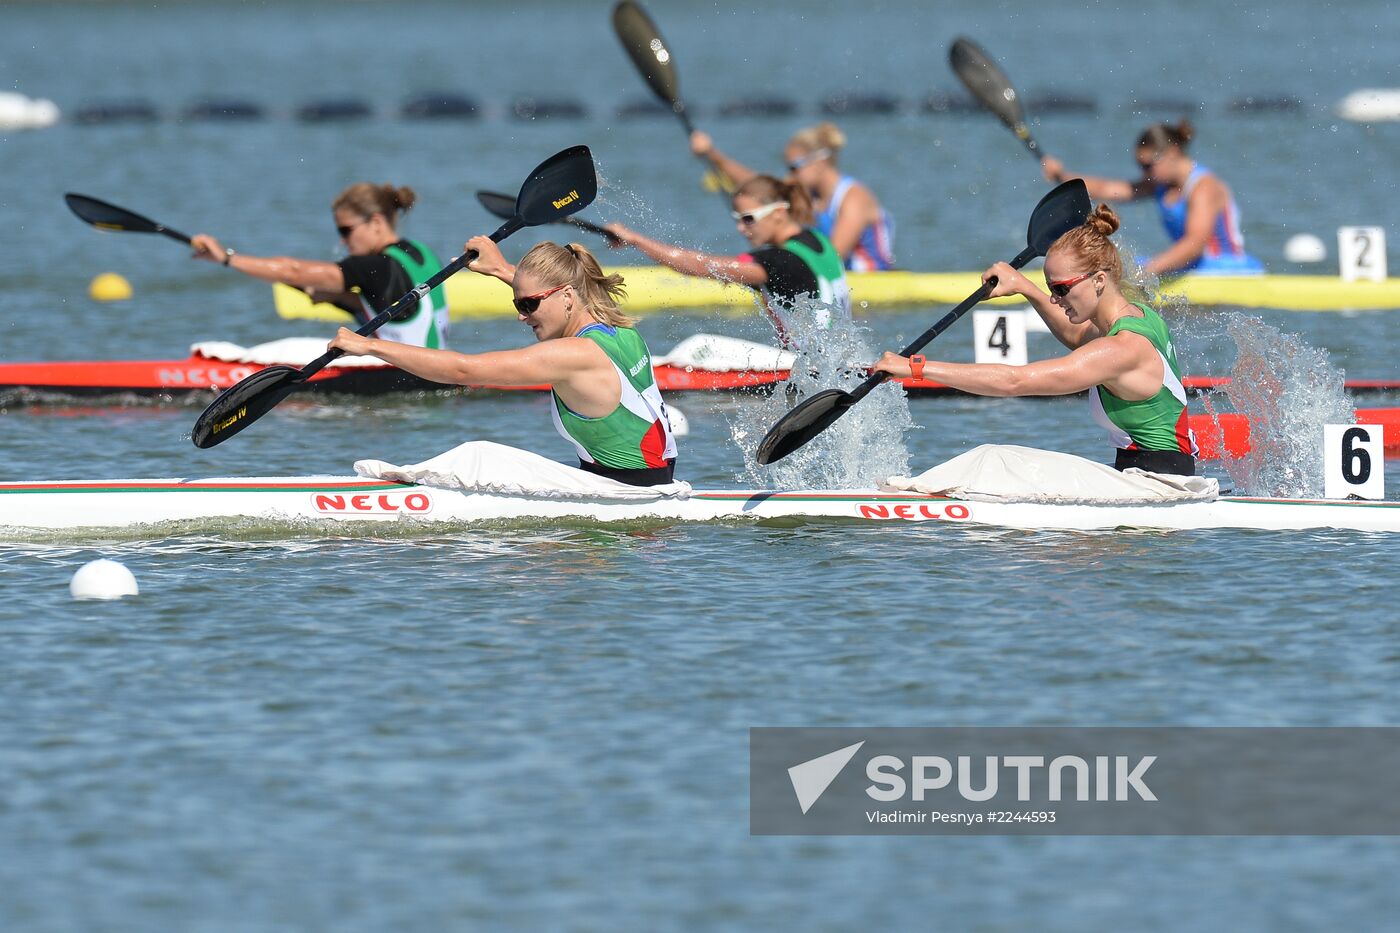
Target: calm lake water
[545,725]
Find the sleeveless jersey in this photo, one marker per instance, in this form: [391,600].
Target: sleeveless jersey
[1156,423]
[426,325]
[1224,253]
[637,434]
[874,250]
[833,291]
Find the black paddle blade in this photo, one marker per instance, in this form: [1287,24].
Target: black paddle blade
[561,185]
[648,51]
[803,423]
[1060,211]
[106,216]
[502,205]
[985,81]
[244,403]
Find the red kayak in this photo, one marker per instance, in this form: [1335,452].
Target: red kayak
[704,362]
[214,366]
[1231,435]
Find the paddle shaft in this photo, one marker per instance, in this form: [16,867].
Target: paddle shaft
[1024,135]
[587,227]
[866,387]
[418,294]
[173,234]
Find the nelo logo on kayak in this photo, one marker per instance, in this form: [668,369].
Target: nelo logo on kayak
[570,198]
[955,511]
[385,503]
[201,376]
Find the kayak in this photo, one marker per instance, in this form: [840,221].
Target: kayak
[702,362]
[216,365]
[309,505]
[655,288]
[1229,433]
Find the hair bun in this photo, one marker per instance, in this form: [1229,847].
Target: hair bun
[1103,221]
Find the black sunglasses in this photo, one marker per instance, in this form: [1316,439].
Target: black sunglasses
[345,231]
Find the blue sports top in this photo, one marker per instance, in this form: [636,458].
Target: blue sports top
[875,249]
[1224,253]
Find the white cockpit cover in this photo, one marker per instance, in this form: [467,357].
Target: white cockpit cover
[718,354]
[486,467]
[291,351]
[1007,473]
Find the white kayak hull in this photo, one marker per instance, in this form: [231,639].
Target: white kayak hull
[315,501]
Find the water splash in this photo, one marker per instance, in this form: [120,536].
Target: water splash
[858,450]
[1287,389]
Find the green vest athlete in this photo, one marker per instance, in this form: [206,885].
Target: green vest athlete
[426,323]
[637,434]
[1158,423]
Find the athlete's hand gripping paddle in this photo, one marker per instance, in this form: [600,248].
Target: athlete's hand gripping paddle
[559,186]
[1059,212]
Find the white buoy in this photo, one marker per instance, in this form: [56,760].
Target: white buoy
[103,579]
[1304,247]
[1371,105]
[18,112]
[680,424]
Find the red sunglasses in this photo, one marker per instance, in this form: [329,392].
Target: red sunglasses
[529,304]
[1061,289]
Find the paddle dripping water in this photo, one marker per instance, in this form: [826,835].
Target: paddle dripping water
[859,450]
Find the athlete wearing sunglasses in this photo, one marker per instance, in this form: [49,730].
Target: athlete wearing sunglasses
[844,210]
[381,267]
[787,261]
[606,402]
[1121,352]
[1197,209]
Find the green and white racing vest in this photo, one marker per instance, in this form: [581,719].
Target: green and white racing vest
[637,434]
[833,291]
[1156,423]
[426,326]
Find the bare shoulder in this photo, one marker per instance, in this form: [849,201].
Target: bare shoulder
[860,198]
[574,352]
[1210,188]
[1129,343]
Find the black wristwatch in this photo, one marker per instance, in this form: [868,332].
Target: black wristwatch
[228,255]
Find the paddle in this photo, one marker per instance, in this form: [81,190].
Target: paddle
[559,186]
[503,206]
[981,76]
[649,52]
[106,216]
[1060,211]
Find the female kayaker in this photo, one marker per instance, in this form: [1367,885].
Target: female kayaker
[1122,354]
[1197,208]
[381,267]
[846,211]
[789,260]
[606,402]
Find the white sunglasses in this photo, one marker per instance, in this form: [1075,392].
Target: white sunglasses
[808,159]
[748,218]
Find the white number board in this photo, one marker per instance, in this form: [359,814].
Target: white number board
[1353,461]
[1361,253]
[1000,337]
